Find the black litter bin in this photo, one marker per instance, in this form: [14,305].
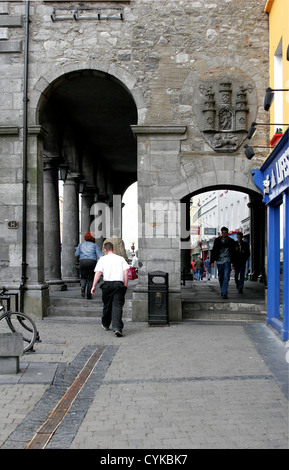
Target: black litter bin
[158,283]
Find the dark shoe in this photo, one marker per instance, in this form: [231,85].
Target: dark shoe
[83,292]
[240,291]
[89,297]
[118,333]
[224,296]
[105,328]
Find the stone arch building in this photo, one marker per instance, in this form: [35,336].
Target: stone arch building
[159,92]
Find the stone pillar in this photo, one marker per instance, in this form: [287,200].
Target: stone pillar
[36,299]
[159,218]
[87,201]
[117,215]
[52,225]
[185,236]
[70,229]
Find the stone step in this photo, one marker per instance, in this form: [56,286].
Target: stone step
[191,306]
[230,311]
[209,315]
[81,308]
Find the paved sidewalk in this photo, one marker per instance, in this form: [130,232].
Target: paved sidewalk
[190,385]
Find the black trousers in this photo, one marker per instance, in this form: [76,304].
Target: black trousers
[240,275]
[113,297]
[86,267]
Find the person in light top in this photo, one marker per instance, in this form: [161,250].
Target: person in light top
[114,269]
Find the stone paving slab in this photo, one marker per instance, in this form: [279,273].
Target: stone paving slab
[32,373]
[190,385]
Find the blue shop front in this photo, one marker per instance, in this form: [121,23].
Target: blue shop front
[273,180]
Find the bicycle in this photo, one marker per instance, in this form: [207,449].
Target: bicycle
[18,322]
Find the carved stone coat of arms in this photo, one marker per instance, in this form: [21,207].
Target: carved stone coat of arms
[225,111]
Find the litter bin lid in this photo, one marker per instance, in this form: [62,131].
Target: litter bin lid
[158,273]
[158,277]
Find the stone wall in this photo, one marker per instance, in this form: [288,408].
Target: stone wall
[158,43]
[161,51]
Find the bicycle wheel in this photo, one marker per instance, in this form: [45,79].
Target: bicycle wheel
[23,324]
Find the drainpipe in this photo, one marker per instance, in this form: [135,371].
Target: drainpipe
[24,172]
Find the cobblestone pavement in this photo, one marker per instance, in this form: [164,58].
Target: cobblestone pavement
[186,386]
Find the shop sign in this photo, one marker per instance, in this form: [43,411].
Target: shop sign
[273,177]
[195,230]
[209,231]
[278,172]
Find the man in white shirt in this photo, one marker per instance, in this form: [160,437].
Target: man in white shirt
[114,269]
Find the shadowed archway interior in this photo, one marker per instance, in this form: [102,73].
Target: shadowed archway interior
[88,115]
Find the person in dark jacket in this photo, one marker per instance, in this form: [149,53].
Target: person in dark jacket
[242,255]
[199,268]
[224,252]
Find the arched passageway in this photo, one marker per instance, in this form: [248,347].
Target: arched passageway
[236,208]
[255,227]
[87,115]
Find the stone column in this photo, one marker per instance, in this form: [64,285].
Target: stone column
[87,201]
[70,229]
[185,237]
[116,216]
[37,294]
[52,259]
[159,224]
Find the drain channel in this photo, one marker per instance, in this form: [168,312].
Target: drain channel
[48,428]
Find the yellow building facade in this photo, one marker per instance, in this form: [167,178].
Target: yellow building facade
[278,11]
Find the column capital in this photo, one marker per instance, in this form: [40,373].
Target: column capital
[90,190]
[73,177]
[38,131]
[50,163]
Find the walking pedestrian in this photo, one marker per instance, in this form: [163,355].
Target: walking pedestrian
[118,246]
[193,268]
[115,276]
[208,268]
[223,252]
[88,252]
[242,255]
[199,268]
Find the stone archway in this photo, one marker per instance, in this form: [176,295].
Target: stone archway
[51,75]
[87,114]
[201,172]
[231,172]
[256,229]
[167,175]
